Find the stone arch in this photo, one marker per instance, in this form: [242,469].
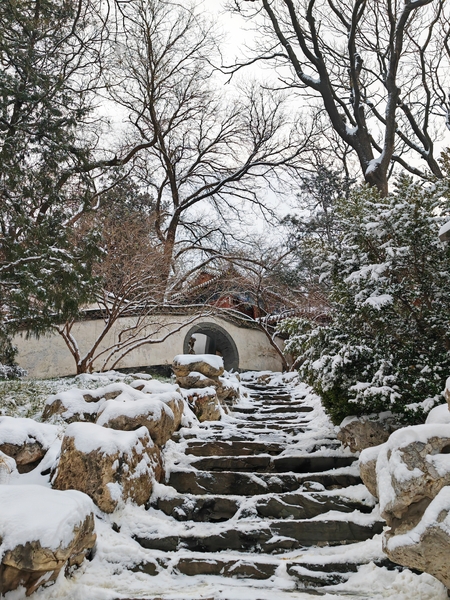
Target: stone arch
[219,340]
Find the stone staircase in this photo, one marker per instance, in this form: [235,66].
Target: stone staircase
[249,495]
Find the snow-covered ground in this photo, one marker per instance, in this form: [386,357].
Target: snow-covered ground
[108,576]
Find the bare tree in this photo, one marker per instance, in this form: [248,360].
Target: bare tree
[207,152]
[379,70]
[130,286]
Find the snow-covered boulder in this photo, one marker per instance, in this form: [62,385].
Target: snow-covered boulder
[41,531]
[228,390]
[426,547]
[209,365]
[152,412]
[358,433]
[411,468]
[26,441]
[195,379]
[108,465]
[203,403]
[173,400]
[410,474]
[80,404]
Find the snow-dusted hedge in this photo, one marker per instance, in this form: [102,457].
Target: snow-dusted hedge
[386,342]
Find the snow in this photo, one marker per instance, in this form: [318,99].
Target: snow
[216,362]
[379,301]
[40,514]
[107,576]
[151,406]
[154,386]
[439,415]
[198,392]
[21,431]
[89,437]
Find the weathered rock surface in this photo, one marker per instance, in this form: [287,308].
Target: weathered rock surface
[72,406]
[204,403]
[26,441]
[152,413]
[209,365]
[197,380]
[368,472]
[83,405]
[426,547]
[410,474]
[41,533]
[358,433]
[108,465]
[177,407]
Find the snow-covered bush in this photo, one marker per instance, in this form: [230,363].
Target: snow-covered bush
[385,342]
[8,367]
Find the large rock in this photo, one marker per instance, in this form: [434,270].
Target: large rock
[26,441]
[41,532]
[358,433]
[173,400]
[228,391]
[209,365]
[150,412]
[412,467]
[203,403]
[412,472]
[368,469]
[197,380]
[82,405]
[108,465]
[427,546]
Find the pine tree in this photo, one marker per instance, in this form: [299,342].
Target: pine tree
[47,49]
[386,342]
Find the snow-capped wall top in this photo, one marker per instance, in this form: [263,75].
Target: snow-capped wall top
[36,513]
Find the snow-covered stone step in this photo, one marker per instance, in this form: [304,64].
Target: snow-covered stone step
[188,507]
[311,463]
[250,484]
[233,448]
[291,408]
[263,537]
[290,427]
[290,419]
[248,569]
[266,463]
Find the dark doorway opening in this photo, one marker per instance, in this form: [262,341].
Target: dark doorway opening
[213,339]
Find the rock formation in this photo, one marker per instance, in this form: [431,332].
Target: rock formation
[108,465]
[207,387]
[42,532]
[26,441]
[410,475]
[358,433]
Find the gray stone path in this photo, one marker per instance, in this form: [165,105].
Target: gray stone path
[246,507]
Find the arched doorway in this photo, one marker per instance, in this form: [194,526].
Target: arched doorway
[213,339]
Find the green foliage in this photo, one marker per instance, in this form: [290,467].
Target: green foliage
[385,342]
[45,149]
